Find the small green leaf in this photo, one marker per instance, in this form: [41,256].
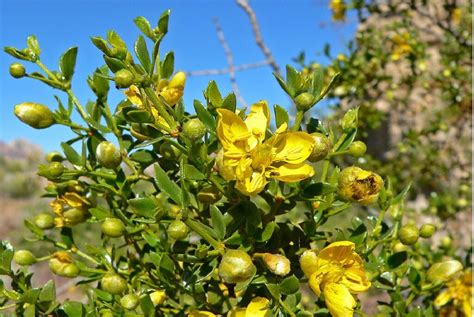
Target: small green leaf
[213,95]
[167,186]
[331,84]
[17,53]
[107,297]
[230,102]
[34,228]
[218,221]
[274,290]
[192,173]
[163,21]
[293,80]
[317,82]
[116,40]
[147,306]
[289,285]
[145,157]
[401,196]
[72,156]
[204,115]
[318,189]
[144,206]
[48,292]
[114,64]
[137,115]
[282,84]
[32,43]
[397,259]
[67,63]
[73,309]
[143,56]
[101,44]
[67,237]
[348,139]
[281,115]
[267,232]
[167,65]
[144,25]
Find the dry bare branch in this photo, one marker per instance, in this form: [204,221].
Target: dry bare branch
[223,71]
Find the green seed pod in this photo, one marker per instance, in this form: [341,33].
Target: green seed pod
[357,148]
[209,195]
[108,155]
[169,152]
[55,169]
[399,247]
[129,301]
[70,270]
[236,266]
[322,146]
[62,264]
[194,129]
[113,283]
[446,242]
[54,157]
[358,185]
[443,271]
[35,115]
[24,258]
[350,120]
[178,230]
[408,234]
[304,101]
[17,70]
[124,78]
[113,227]
[427,231]
[106,313]
[277,264]
[74,216]
[44,221]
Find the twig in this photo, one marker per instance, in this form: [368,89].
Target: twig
[230,61]
[244,4]
[223,71]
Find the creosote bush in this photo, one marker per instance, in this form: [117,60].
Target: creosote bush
[220,212]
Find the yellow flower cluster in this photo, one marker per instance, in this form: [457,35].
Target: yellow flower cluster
[258,307]
[459,292]
[337,272]
[402,46]
[70,209]
[251,160]
[338,8]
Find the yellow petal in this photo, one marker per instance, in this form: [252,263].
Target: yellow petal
[339,251]
[257,122]
[443,298]
[230,128]
[355,280]
[74,200]
[201,313]
[252,185]
[293,147]
[292,172]
[133,94]
[258,307]
[308,262]
[339,300]
[467,305]
[237,312]
[224,166]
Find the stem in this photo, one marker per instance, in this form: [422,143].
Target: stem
[76,102]
[298,120]
[8,306]
[286,308]
[217,185]
[161,110]
[324,172]
[47,71]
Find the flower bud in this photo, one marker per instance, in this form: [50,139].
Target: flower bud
[177,230]
[113,283]
[129,301]
[17,70]
[44,221]
[443,271]
[70,270]
[236,266]
[178,81]
[62,264]
[169,152]
[108,155]
[304,101]
[54,157]
[35,115]
[158,297]
[427,231]
[74,216]
[194,129]
[124,78]
[209,195]
[113,227]
[399,247]
[349,121]
[357,148]
[55,169]
[446,242]
[322,146]
[24,258]
[277,264]
[408,234]
[308,262]
[358,185]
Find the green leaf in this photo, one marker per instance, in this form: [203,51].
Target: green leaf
[281,115]
[283,85]
[143,56]
[348,139]
[230,102]
[318,189]
[114,64]
[107,297]
[163,21]
[30,296]
[67,236]
[290,285]
[73,309]
[147,306]
[116,40]
[32,43]
[100,213]
[213,95]
[293,80]
[67,63]
[401,196]
[48,292]
[137,115]
[144,206]
[167,186]
[72,156]
[17,53]
[145,157]
[274,290]
[218,221]
[204,115]
[192,173]
[144,25]
[34,228]
[267,232]
[397,259]
[101,44]
[317,82]
[167,65]
[192,223]
[331,84]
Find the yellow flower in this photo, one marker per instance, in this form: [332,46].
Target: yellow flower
[70,209]
[402,45]
[251,160]
[459,291]
[338,8]
[133,94]
[173,91]
[201,313]
[258,307]
[337,272]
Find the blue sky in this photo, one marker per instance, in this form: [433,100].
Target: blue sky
[288,27]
